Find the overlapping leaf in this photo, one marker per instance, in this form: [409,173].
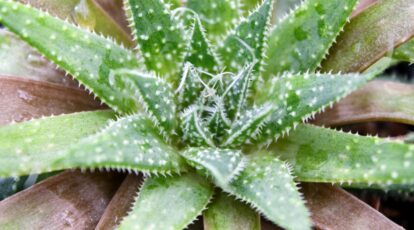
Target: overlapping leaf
[196,132]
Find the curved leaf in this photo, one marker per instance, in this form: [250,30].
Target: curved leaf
[226,213]
[168,203]
[195,130]
[370,35]
[85,55]
[301,40]
[376,101]
[30,147]
[323,155]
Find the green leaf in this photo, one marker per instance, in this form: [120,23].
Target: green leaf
[196,131]
[301,40]
[370,35]
[85,55]
[237,92]
[323,155]
[222,164]
[155,94]
[160,41]
[131,143]
[168,203]
[30,147]
[246,44]
[405,52]
[218,121]
[200,53]
[267,185]
[299,97]
[217,16]
[249,126]
[190,86]
[226,213]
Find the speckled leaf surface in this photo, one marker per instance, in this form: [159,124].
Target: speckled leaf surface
[267,185]
[168,203]
[370,35]
[301,40]
[195,130]
[160,41]
[62,42]
[30,147]
[323,155]
[246,43]
[226,213]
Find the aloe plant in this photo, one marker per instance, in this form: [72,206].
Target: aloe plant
[198,119]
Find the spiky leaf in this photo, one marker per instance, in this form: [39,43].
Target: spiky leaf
[159,39]
[246,44]
[30,147]
[226,213]
[200,53]
[190,86]
[302,39]
[299,97]
[249,125]
[168,203]
[218,121]
[323,155]
[131,143]
[155,94]
[217,16]
[267,185]
[195,130]
[85,55]
[222,164]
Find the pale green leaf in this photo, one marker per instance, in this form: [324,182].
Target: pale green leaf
[196,132]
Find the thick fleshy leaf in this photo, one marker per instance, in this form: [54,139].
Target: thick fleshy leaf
[85,55]
[236,94]
[302,39]
[200,53]
[363,5]
[223,165]
[334,208]
[168,203]
[195,130]
[283,8]
[376,101]
[218,122]
[155,95]
[267,185]
[70,200]
[299,97]
[85,13]
[190,86]
[24,99]
[323,155]
[159,39]
[370,35]
[115,9]
[226,213]
[246,43]
[217,16]
[405,52]
[131,143]
[249,126]
[30,147]
[120,203]
[20,60]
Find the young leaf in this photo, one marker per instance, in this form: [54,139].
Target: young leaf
[246,44]
[405,52]
[222,164]
[323,155]
[249,125]
[217,16]
[300,41]
[195,129]
[370,35]
[30,147]
[218,122]
[155,94]
[200,53]
[236,94]
[85,55]
[299,97]
[226,213]
[160,41]
[267,185]
[168,203]
[131,143]
[190,86]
